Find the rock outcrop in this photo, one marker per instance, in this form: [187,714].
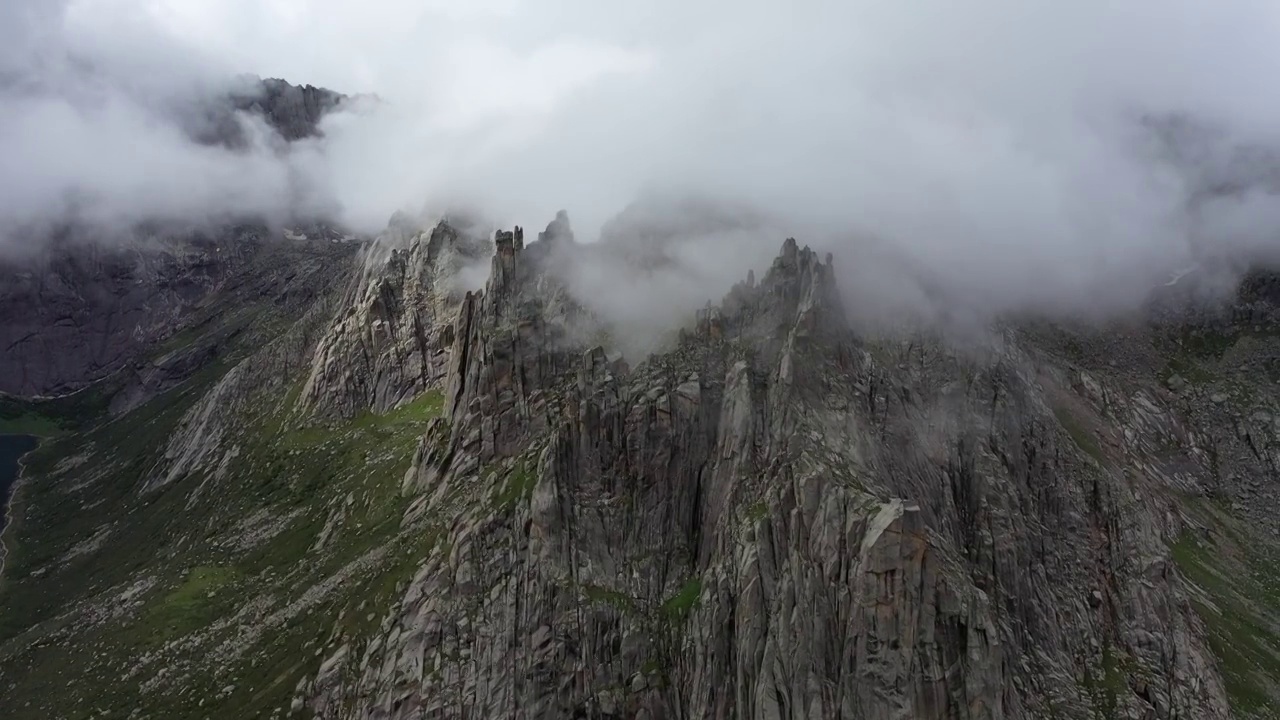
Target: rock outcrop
[394,339]
[292,111]
[773,521]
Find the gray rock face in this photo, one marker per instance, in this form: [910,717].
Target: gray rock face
[773,520]
[293,111]
[393,342]
[292,277]
[81,313]
[558,230]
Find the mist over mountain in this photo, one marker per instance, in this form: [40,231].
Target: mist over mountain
[669,360]
[1055,159]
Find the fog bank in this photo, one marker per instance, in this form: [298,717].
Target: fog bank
[1010,154]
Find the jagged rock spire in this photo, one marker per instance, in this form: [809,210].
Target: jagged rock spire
[798,291]
[393,341]
[511,343]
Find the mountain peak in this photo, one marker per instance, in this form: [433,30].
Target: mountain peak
[293,111]
[424,481]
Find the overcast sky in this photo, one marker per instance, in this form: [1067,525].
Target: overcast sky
[994,140]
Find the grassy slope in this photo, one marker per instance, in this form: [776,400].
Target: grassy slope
[1232,566]
[1236,583]
[298,480]
[49,417]
[219,579]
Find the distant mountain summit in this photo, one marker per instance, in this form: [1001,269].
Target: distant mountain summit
[293,111]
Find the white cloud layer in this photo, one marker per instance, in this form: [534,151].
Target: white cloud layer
[998,145]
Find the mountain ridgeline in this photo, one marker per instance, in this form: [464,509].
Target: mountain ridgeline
[348,484]
[292,111]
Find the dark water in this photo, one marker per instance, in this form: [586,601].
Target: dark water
[12,447]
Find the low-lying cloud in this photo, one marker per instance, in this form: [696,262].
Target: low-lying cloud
[1016,154]
[97,137]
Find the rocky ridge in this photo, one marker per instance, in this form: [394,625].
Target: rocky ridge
[467,504]
[770,521]
[393,341]
[292,111]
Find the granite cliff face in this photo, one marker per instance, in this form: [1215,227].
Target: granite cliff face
[774,520]
[76,315]
[416,498]
[393,341]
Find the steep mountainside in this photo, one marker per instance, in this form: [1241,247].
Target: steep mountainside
[397,496]
[76,310]
[78,314]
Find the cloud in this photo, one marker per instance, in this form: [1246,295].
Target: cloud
[1011,153]
[100,95]
[92,130]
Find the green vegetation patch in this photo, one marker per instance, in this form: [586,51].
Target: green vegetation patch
[1238,598]
[518,486]
[1106,689]
[277,510]
[1208,343]
[618,600]
[1188,368]
[60,509]
[1197,354]
[204,595]
[346,476]
[30,424]
[678,606]
[1084,438]
[50,417]
[266,677]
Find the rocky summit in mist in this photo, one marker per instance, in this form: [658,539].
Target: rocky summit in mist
[291,472]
